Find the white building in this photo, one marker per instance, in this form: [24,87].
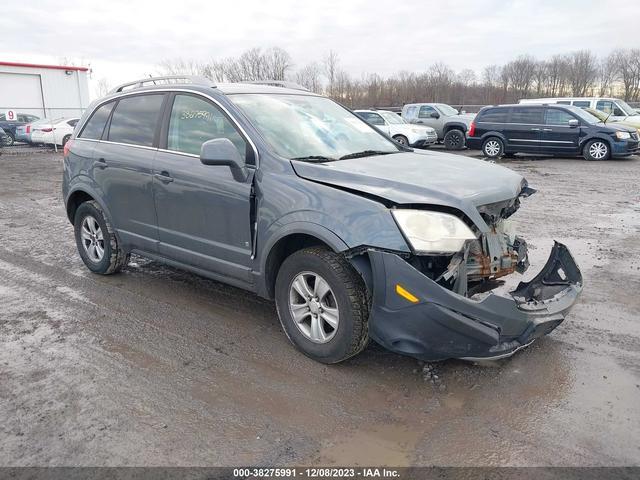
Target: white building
[48,91]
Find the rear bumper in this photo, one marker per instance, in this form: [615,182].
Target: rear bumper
[443,324]
[474,143]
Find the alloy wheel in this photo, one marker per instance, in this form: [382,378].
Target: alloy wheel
[492,148]
[92,239]
[598,150]
[313,307]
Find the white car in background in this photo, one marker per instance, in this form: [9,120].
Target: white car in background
[56,132]
[402,132]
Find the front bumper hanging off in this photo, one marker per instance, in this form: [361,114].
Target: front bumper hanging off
[442,324]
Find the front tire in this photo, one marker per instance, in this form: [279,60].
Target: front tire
[96,240]
[65,140]
[10,140]
[493,147]
[596,150]
[454,140]
[323,305]
[402,140]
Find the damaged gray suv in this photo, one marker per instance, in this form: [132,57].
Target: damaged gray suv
[289,195]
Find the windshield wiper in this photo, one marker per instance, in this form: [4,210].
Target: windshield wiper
[364,153]
[314,159]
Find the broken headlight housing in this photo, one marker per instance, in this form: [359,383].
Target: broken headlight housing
[433,232]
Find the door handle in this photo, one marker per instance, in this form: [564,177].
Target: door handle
[100,163]
[164,177]
[535,129]
[547,129]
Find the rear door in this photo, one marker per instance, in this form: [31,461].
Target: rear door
[123,168]
[204,213]
[557,135]
[524,129]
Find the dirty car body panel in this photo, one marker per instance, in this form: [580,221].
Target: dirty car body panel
[349,206]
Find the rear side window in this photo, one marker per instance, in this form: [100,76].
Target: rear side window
[372,118]
[95,126]
[555,116]
[564,102]
[135,119]
[494,115]
[72,123]
[527,115]
[194,120]
[411,111]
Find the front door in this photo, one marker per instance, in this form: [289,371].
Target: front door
[557,135]
[524,129]
[203,211]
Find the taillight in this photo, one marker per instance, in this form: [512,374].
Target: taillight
[28,128]
[67,146]
[47,130]
[472,129]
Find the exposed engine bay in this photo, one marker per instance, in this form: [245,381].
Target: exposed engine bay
[479,265]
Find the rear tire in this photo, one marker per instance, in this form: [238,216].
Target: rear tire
[454,140]
[493,147]
[331,318]
[96,241]
[596,150]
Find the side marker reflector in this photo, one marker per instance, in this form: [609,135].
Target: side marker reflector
[405,294]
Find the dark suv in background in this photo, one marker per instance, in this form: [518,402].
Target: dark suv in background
[550,129]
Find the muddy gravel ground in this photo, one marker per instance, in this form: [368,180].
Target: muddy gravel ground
[155,366]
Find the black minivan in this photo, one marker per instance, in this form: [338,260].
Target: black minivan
[504,130]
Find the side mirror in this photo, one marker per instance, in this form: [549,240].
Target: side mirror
[222,151]
[573,123]
[435,115]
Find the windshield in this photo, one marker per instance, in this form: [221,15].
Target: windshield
[597,113]
[583,114]
[392,117]
[446,109]
[626,108]
[306,127]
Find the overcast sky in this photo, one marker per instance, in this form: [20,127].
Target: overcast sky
[126,39]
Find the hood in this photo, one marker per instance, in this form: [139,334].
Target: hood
[619,126]
[420,178]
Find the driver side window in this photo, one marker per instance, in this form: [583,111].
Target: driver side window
[426,111]
[194,120]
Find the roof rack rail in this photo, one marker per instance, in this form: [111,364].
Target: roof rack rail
[195,79]
[277,83]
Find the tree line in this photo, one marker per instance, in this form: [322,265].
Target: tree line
[578,73]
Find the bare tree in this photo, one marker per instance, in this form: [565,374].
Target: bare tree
[102,87]
[582,72]
[309,77]
[330,63]
[628,64]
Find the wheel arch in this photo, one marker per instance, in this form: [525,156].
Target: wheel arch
[78,196]
[292,238]
[604,138]
[454,126]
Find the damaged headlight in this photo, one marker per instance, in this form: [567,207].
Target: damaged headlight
[433,232]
